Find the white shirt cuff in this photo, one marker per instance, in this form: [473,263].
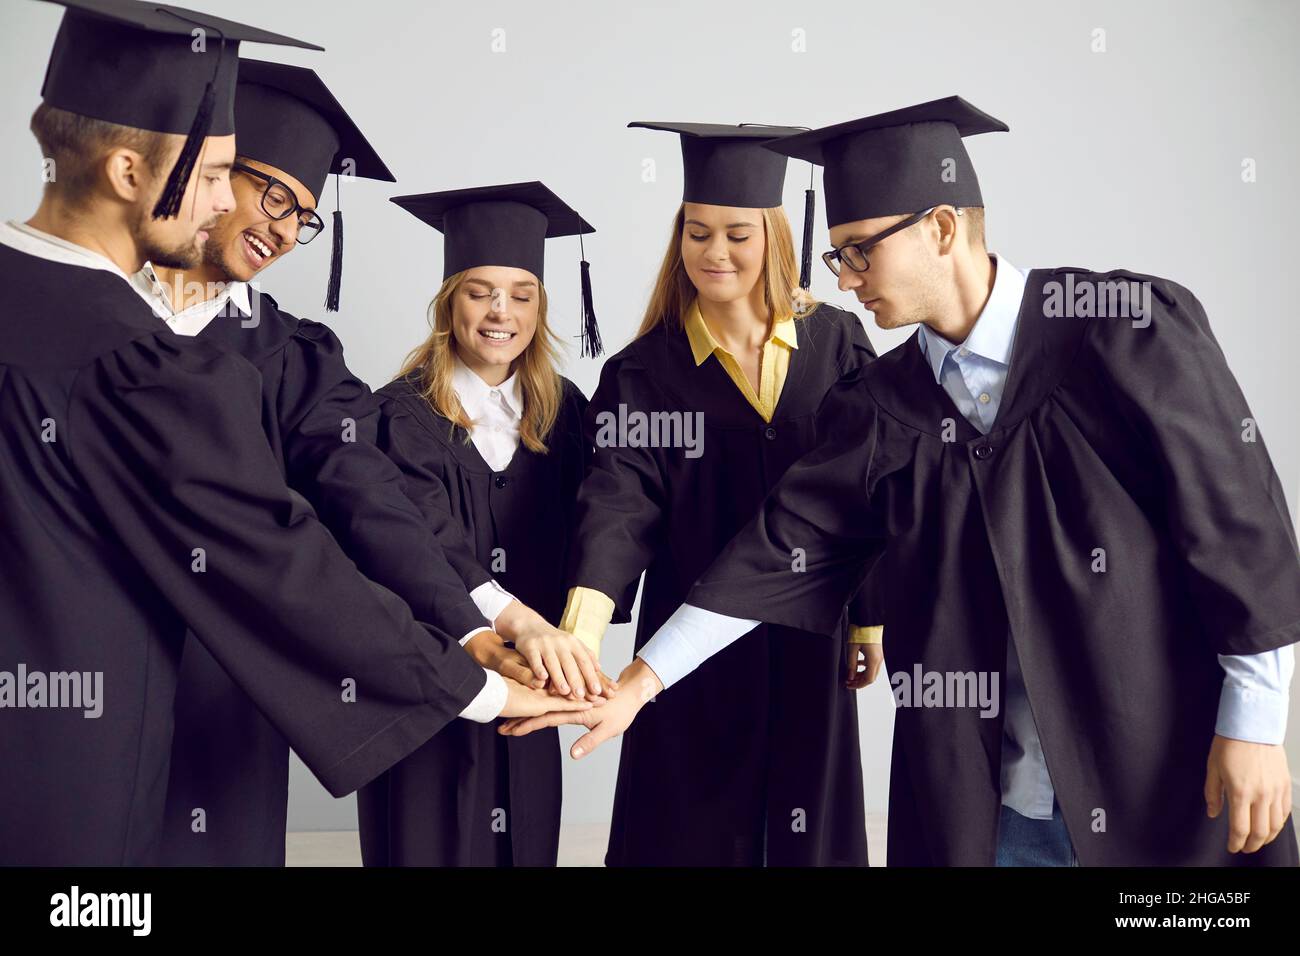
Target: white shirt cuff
[491,599]
[478,630]
[489,702]
[1255,697]
[689,638]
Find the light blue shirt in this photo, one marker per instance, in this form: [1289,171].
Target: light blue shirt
[1253,702]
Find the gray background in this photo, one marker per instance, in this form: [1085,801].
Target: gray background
[1125,158]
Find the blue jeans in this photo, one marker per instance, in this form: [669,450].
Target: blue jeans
[1023,841]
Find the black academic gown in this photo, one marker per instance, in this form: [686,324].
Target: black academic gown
[1115,443]
[471,797]
[320,422]
[760,745]
[140,496]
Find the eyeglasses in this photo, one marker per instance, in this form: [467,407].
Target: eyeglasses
[279,202]
[854,254]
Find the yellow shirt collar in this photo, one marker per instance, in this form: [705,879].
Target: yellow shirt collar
[703,344]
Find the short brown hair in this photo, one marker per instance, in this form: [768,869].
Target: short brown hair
[76,142]
[974,216]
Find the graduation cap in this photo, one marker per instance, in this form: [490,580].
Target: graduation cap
[729,166]
[286,117]
[898,162]
[150,66]
[505,225]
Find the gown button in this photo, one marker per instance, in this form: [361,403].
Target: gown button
[983,451]
[769,433]
[500,481]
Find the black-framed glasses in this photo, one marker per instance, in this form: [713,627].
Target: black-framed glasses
[279,202]
[854,254]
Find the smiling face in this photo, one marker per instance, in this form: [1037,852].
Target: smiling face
[906,277]
[494,318]
[248,240]
[723,251]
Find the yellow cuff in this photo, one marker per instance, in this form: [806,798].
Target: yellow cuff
[867,634]
[586,616]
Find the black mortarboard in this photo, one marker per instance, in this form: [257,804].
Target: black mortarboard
[728,166]
[151,66]
[287,118]
[898,162]
[504,226]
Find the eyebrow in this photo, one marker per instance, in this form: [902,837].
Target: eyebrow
[218,166]
[490,285]
[851,239]
[730,225]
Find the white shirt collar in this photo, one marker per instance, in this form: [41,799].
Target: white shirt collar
[146,282]
[995,328]
[43,245]
[474,393]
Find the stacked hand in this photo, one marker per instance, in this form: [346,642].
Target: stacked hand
[636,687]
[555,659]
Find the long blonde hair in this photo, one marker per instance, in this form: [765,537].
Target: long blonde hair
[674,291]
[539,382]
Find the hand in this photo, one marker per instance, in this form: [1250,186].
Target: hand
[489,650]
[529,702]
[1258,786]
[867,656]
[557,656]
[638,686]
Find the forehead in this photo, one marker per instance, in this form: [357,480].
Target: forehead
[499,277]
[721,217]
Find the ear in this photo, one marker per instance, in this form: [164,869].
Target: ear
[126,173]
[946,224]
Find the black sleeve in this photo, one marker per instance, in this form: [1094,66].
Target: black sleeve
[166,436]
[622,499]
[866,606]
[329,429]
[807,551]
[418,456]
[1224,504]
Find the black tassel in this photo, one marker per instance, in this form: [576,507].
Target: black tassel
[805,262]
[169,203]
[336,265]
[590,330]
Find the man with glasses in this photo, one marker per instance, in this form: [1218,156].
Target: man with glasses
[227,796]
[1076,502]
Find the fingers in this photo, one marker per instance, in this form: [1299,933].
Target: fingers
[534,655]
[1238,821]
[520,726]
[516,669]
[588,742]
[1213,791]
[572,672]
[556,671]
[590,669]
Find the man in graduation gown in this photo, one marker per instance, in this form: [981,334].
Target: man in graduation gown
[321,422]
[139,493]
[1077,502]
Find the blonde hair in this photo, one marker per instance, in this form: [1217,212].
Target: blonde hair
[539,382]
[674,291]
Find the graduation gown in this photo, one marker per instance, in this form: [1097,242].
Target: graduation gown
[1121,523]
[228,758]
[471,797]
[759,748]
[140,496]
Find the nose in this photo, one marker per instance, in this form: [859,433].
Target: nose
[849,280]
[286,229]
[223,197]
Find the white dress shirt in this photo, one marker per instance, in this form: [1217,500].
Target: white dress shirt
[491,700]
[1252,705]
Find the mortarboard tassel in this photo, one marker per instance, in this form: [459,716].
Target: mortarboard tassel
[805,261]
[169,203]
[336,257]
[590,330]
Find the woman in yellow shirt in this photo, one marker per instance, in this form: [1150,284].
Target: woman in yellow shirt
[755,760]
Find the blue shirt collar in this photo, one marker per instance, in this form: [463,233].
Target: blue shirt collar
[994,330]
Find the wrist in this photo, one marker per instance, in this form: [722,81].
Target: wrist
[642,680]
